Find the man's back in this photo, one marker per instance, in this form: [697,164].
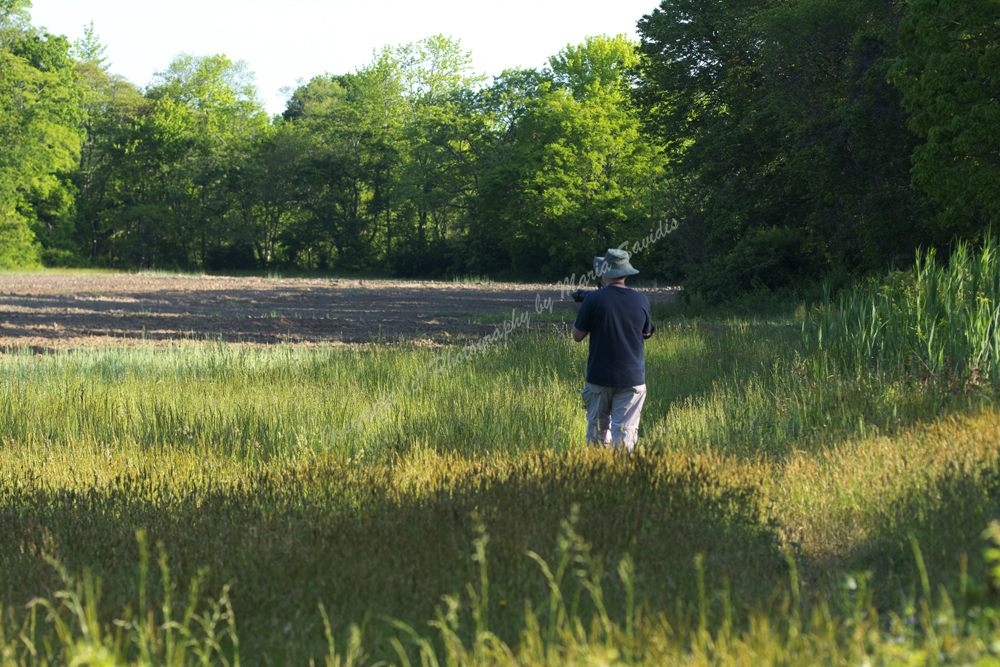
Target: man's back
[616,318]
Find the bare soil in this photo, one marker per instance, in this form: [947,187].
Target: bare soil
[47,312]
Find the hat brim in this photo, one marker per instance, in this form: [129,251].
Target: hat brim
[617,272]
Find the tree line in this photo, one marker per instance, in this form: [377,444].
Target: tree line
[792,140]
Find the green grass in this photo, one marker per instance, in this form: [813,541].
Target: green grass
[232,458]
[939,321]
[359,484]
[738,390]
[845,630]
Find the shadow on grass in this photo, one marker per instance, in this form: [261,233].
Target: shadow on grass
[376,540]
[947,517]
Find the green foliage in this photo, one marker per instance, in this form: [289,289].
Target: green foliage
[264,185]
[349,124]
[434,67]
[17,242]
[39,142]
[697,60]
[313,100]
[13,12]
[89,50]
[222,93]
[111,108]
[575,173]
[947,69]
[161,181]
[394,158]
[436,164]
[789,152]
[769,130]
[598,63]
[580,176]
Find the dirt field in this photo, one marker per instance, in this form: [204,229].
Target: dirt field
[48,312]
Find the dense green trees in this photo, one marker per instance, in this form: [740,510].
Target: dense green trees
[417,168]
[948,74]
[39,139]
[158,173]
[793,140]
[791,149]
[408,164]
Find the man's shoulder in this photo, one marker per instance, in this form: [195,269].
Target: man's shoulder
[616,297]
[636,296]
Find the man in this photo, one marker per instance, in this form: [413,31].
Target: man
[618,321]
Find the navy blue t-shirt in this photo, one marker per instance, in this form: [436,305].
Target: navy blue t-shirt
[616,318]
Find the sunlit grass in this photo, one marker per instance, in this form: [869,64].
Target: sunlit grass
[734,389]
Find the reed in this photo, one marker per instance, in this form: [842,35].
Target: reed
[938,321]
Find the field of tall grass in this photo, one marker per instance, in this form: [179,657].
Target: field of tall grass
[813,486]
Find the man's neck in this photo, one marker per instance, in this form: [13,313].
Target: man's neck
[614,282]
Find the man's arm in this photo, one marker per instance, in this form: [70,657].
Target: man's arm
[579,335]
[647,336]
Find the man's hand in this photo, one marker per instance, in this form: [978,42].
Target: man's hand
[647,336]
[578,335]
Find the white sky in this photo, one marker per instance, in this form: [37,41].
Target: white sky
[287,40]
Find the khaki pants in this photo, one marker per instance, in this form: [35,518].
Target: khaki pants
[613,414]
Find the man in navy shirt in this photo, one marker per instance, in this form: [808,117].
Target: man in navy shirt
[618,321]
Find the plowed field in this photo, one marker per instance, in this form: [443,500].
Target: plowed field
[48,312]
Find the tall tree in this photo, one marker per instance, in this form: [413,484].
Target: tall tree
[433,71]
[390,172]
[90,50]
[353,120]
[14,20]
[267,189]
[581,174]
[222,114]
